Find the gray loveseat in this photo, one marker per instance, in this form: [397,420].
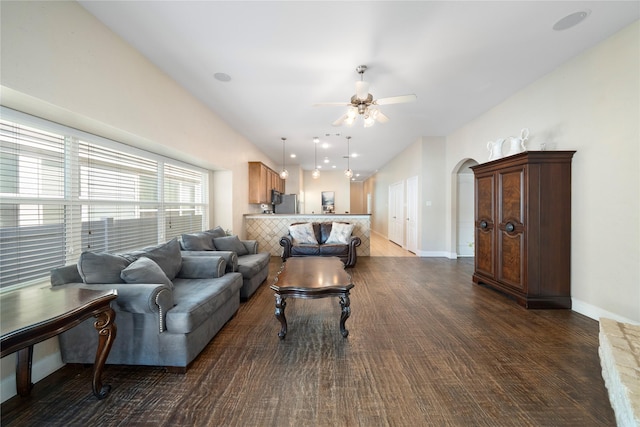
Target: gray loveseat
[321,239]
[241,256]
[168,308]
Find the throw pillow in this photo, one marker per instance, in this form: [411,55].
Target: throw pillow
[217,232]
[101,267]
[303,234]
[202,241]
[340,233]
[145,270]
[230,243]
[167,256]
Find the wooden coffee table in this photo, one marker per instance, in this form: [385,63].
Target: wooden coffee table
[311,278]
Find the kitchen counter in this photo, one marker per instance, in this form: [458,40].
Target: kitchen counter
[267,229]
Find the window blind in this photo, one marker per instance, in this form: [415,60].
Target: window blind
[184,207]
[32,228]
[65,191]
[120,199]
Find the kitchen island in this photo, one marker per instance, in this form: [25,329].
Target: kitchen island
[267,229]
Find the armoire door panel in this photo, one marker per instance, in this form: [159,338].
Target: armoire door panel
[511,195]
[510,269]
[484,225]
[484,252]
[485,197]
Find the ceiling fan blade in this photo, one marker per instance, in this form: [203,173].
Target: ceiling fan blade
[381,118]
[340,121]
[395,100]
[324,104]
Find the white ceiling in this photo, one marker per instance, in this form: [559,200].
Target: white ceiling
[459,58]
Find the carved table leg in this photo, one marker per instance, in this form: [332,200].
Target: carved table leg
[346,312]
[23,371]
[280,305]
[106,334]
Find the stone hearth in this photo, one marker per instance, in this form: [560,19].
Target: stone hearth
[620,359]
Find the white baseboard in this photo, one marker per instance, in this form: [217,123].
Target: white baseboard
[596,313]
[46,360]
[434,254]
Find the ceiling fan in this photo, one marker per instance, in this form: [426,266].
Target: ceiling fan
[362,103]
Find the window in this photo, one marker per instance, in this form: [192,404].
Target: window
[63,191]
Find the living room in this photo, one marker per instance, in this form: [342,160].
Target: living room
[61,64]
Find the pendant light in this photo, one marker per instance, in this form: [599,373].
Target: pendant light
[348,173]
[284,174]
[316,172]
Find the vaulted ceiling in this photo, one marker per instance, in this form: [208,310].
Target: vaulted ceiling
[280,58]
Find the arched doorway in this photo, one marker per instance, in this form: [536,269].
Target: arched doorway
[462,200]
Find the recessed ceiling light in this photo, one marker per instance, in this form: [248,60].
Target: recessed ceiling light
[292,155]
[222,77]
[571,20]
[325,145]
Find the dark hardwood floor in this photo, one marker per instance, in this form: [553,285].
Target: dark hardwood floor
[426,347]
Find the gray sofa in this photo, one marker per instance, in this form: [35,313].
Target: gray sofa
[321,239]
[168,308]
[241,256]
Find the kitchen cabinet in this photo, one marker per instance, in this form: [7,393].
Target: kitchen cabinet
[523,227]
[262,180]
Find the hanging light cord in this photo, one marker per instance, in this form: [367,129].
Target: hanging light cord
[348,173]
[284,174]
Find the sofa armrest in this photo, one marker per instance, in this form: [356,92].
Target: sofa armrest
[354,242]
[286,242]
[138,298]
[251,245]
[231,258]
[201,267]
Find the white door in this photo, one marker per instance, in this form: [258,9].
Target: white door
[396,215]
[412,214]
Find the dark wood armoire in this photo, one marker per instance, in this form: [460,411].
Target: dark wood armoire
[523,227]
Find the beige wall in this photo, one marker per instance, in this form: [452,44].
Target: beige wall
[433,203]
[62,64]
[405,165]
[590,104]
[329,181]
[357,200]
[424,159]
[295,182]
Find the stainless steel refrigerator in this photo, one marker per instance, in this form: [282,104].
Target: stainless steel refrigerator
[289,204]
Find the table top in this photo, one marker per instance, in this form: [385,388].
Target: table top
[27,309]
[311,274]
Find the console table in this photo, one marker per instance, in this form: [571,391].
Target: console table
[29,316]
